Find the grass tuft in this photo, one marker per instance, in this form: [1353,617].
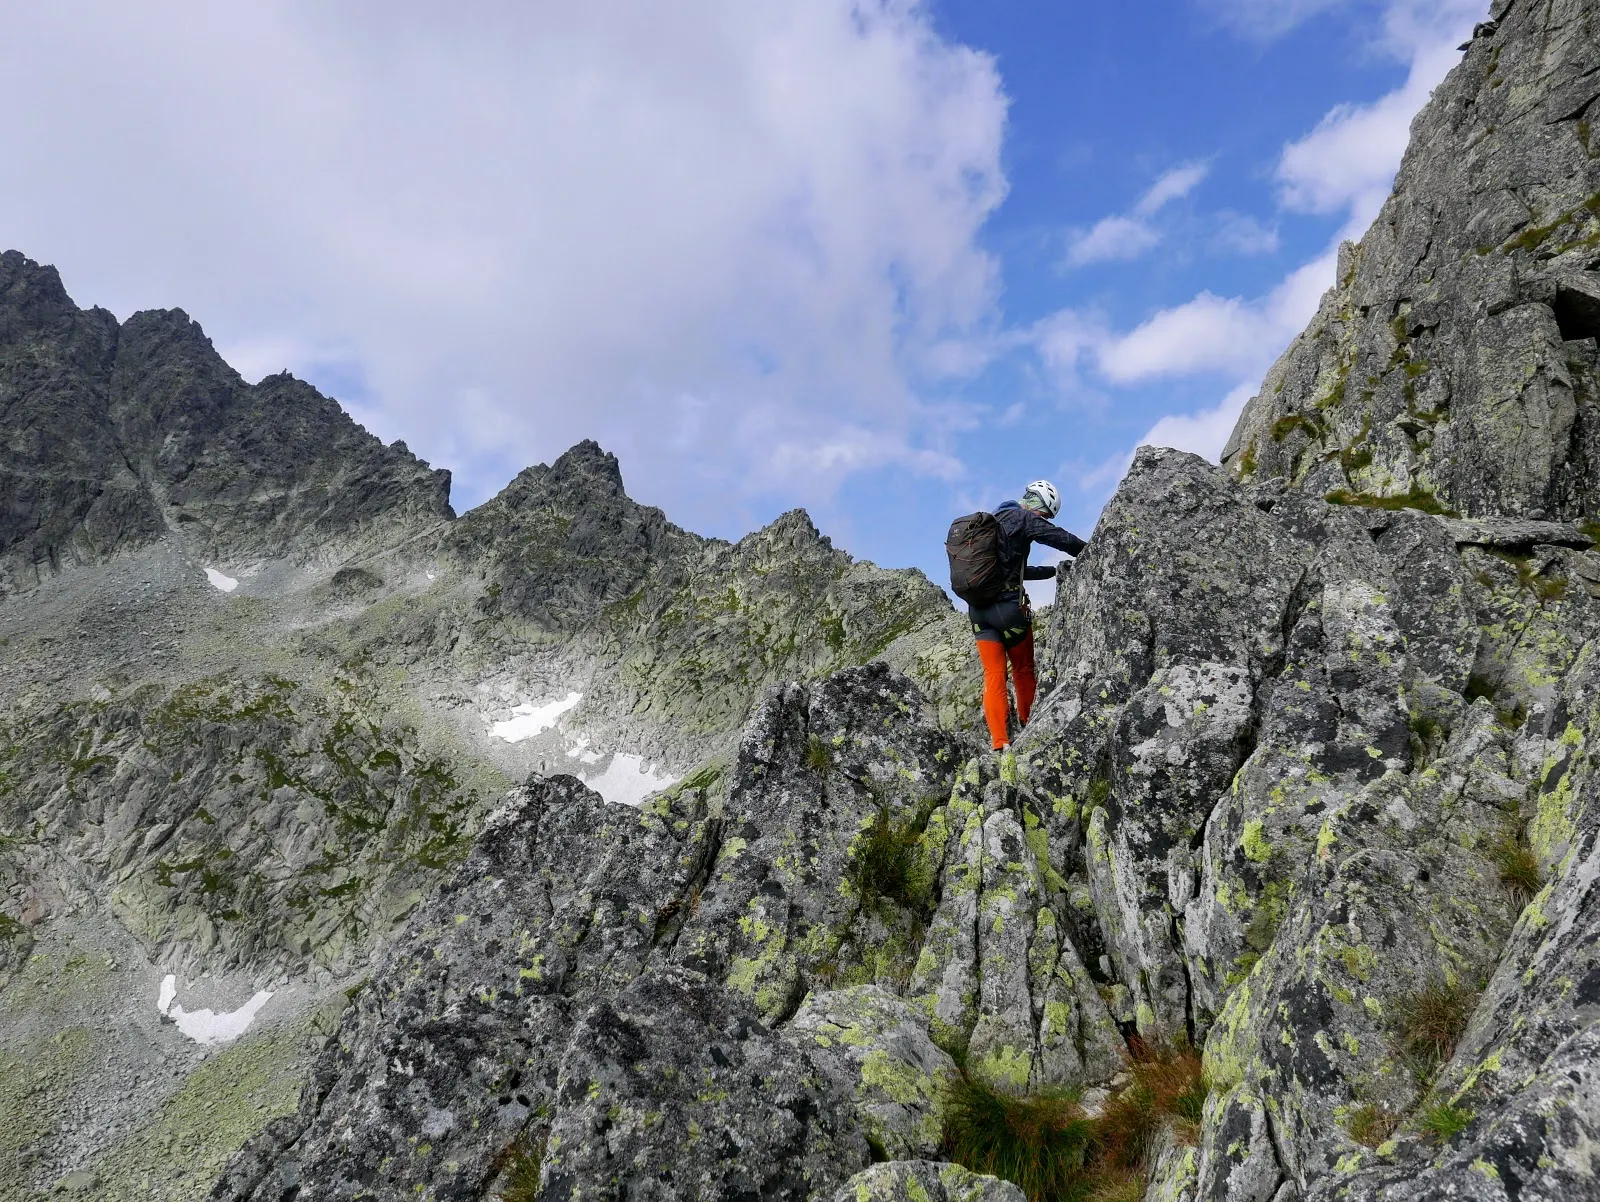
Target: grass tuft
[1444,1122]
[1098,793]
[819,756]
[1289,423]
[1170,1087]
[520,1164]
[1118,1187]
[1519,867]
[1371,1125]
[1355,457]
[1415,498]
[1040,1143]
[890,863]
[1430,1022]
[1427,736]
[1358,454]
[1544,588]
[1046,1145]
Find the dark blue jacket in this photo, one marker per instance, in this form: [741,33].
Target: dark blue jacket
[1019,529]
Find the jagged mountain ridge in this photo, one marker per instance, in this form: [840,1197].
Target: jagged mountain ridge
[116,432]
[138,437]
[252,789]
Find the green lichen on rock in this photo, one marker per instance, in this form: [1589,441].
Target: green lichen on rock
[292,819]
[898,1075]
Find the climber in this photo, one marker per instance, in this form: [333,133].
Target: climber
[988,565]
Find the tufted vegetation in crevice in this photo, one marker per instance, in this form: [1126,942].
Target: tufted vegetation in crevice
[519,1165]
[1429,1022]
[1040,1142]
[1046,1143]
[1416,497]
[1518,866]
[1371,1124]
[890,863]
[1443,1121]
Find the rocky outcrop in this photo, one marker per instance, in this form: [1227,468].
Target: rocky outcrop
[880,1044]
[612,986]
[753,984]
[925,1181]
[259,825]
[1301,746]
[1455,362]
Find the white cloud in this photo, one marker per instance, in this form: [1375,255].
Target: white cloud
[1123,237]
[1348,162]
[1174,185]
[1112,238]
[1207,333]
[1214,333]
[1066,341]
[529,224]
[1267,19]
[1241,234]
[850,449]
[1204,433]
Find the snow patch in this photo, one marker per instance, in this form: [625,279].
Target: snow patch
[220,582]
[529,720]
[628,780]
[207,1026]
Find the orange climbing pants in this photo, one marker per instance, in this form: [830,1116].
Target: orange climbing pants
[996,705]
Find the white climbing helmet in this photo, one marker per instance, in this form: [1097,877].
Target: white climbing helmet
[1042,495]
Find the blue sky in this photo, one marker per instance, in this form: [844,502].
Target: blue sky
[1107,104]
[884,259]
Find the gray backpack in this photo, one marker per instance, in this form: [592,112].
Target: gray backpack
[973,546]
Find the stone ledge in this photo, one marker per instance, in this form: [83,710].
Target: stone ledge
[1514,532]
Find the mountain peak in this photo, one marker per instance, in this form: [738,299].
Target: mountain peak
[118,427]
[589,464]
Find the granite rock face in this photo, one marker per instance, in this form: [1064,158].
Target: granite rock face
[881,1043]
[562,992]
[1455,360]
[756,983]
[925,1181]
[1298,776]
[257,824]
